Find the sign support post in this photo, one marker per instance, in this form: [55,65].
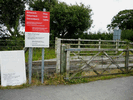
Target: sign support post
[42,72]
[30,64]
[30,61]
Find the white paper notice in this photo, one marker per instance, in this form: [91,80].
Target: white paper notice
[33,39]
[13,70]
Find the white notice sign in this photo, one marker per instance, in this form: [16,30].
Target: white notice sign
[33,39]
[13,70]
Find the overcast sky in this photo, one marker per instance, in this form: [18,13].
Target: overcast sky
[103,11]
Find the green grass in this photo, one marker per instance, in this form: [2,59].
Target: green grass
[37,54]
[59,79]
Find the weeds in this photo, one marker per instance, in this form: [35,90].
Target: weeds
[58,79]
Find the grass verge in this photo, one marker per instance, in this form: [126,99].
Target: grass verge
[59,79]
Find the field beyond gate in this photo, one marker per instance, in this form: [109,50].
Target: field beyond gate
[88,58]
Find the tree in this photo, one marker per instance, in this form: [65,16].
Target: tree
[123,20]
[38,5]
[70,21]
[66,21]
[12,12]
[127,35]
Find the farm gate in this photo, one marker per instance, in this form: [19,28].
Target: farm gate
[86,58]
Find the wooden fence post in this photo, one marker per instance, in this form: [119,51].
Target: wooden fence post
[63,59]
[99,43]
[116,46]
[57,47]
[67,62]
[126,59]
[79,44]
[56,38]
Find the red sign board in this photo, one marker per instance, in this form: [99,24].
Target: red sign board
[37,21]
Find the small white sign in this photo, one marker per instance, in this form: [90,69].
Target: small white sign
[13,70]
[33,39]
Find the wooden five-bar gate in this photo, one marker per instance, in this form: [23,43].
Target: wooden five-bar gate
[86,58]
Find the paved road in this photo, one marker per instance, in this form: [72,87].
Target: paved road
[114,89]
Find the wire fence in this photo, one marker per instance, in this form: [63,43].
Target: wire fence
[17,44]
[11,45]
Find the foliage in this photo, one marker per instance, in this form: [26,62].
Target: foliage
[70,21]
[123,20]
[66,21]
[12,12]
[15,44]
[38,5]
[98,35]
[127,35]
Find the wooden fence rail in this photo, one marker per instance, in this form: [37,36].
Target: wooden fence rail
[64,48]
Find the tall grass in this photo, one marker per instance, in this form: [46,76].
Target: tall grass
[49,53]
